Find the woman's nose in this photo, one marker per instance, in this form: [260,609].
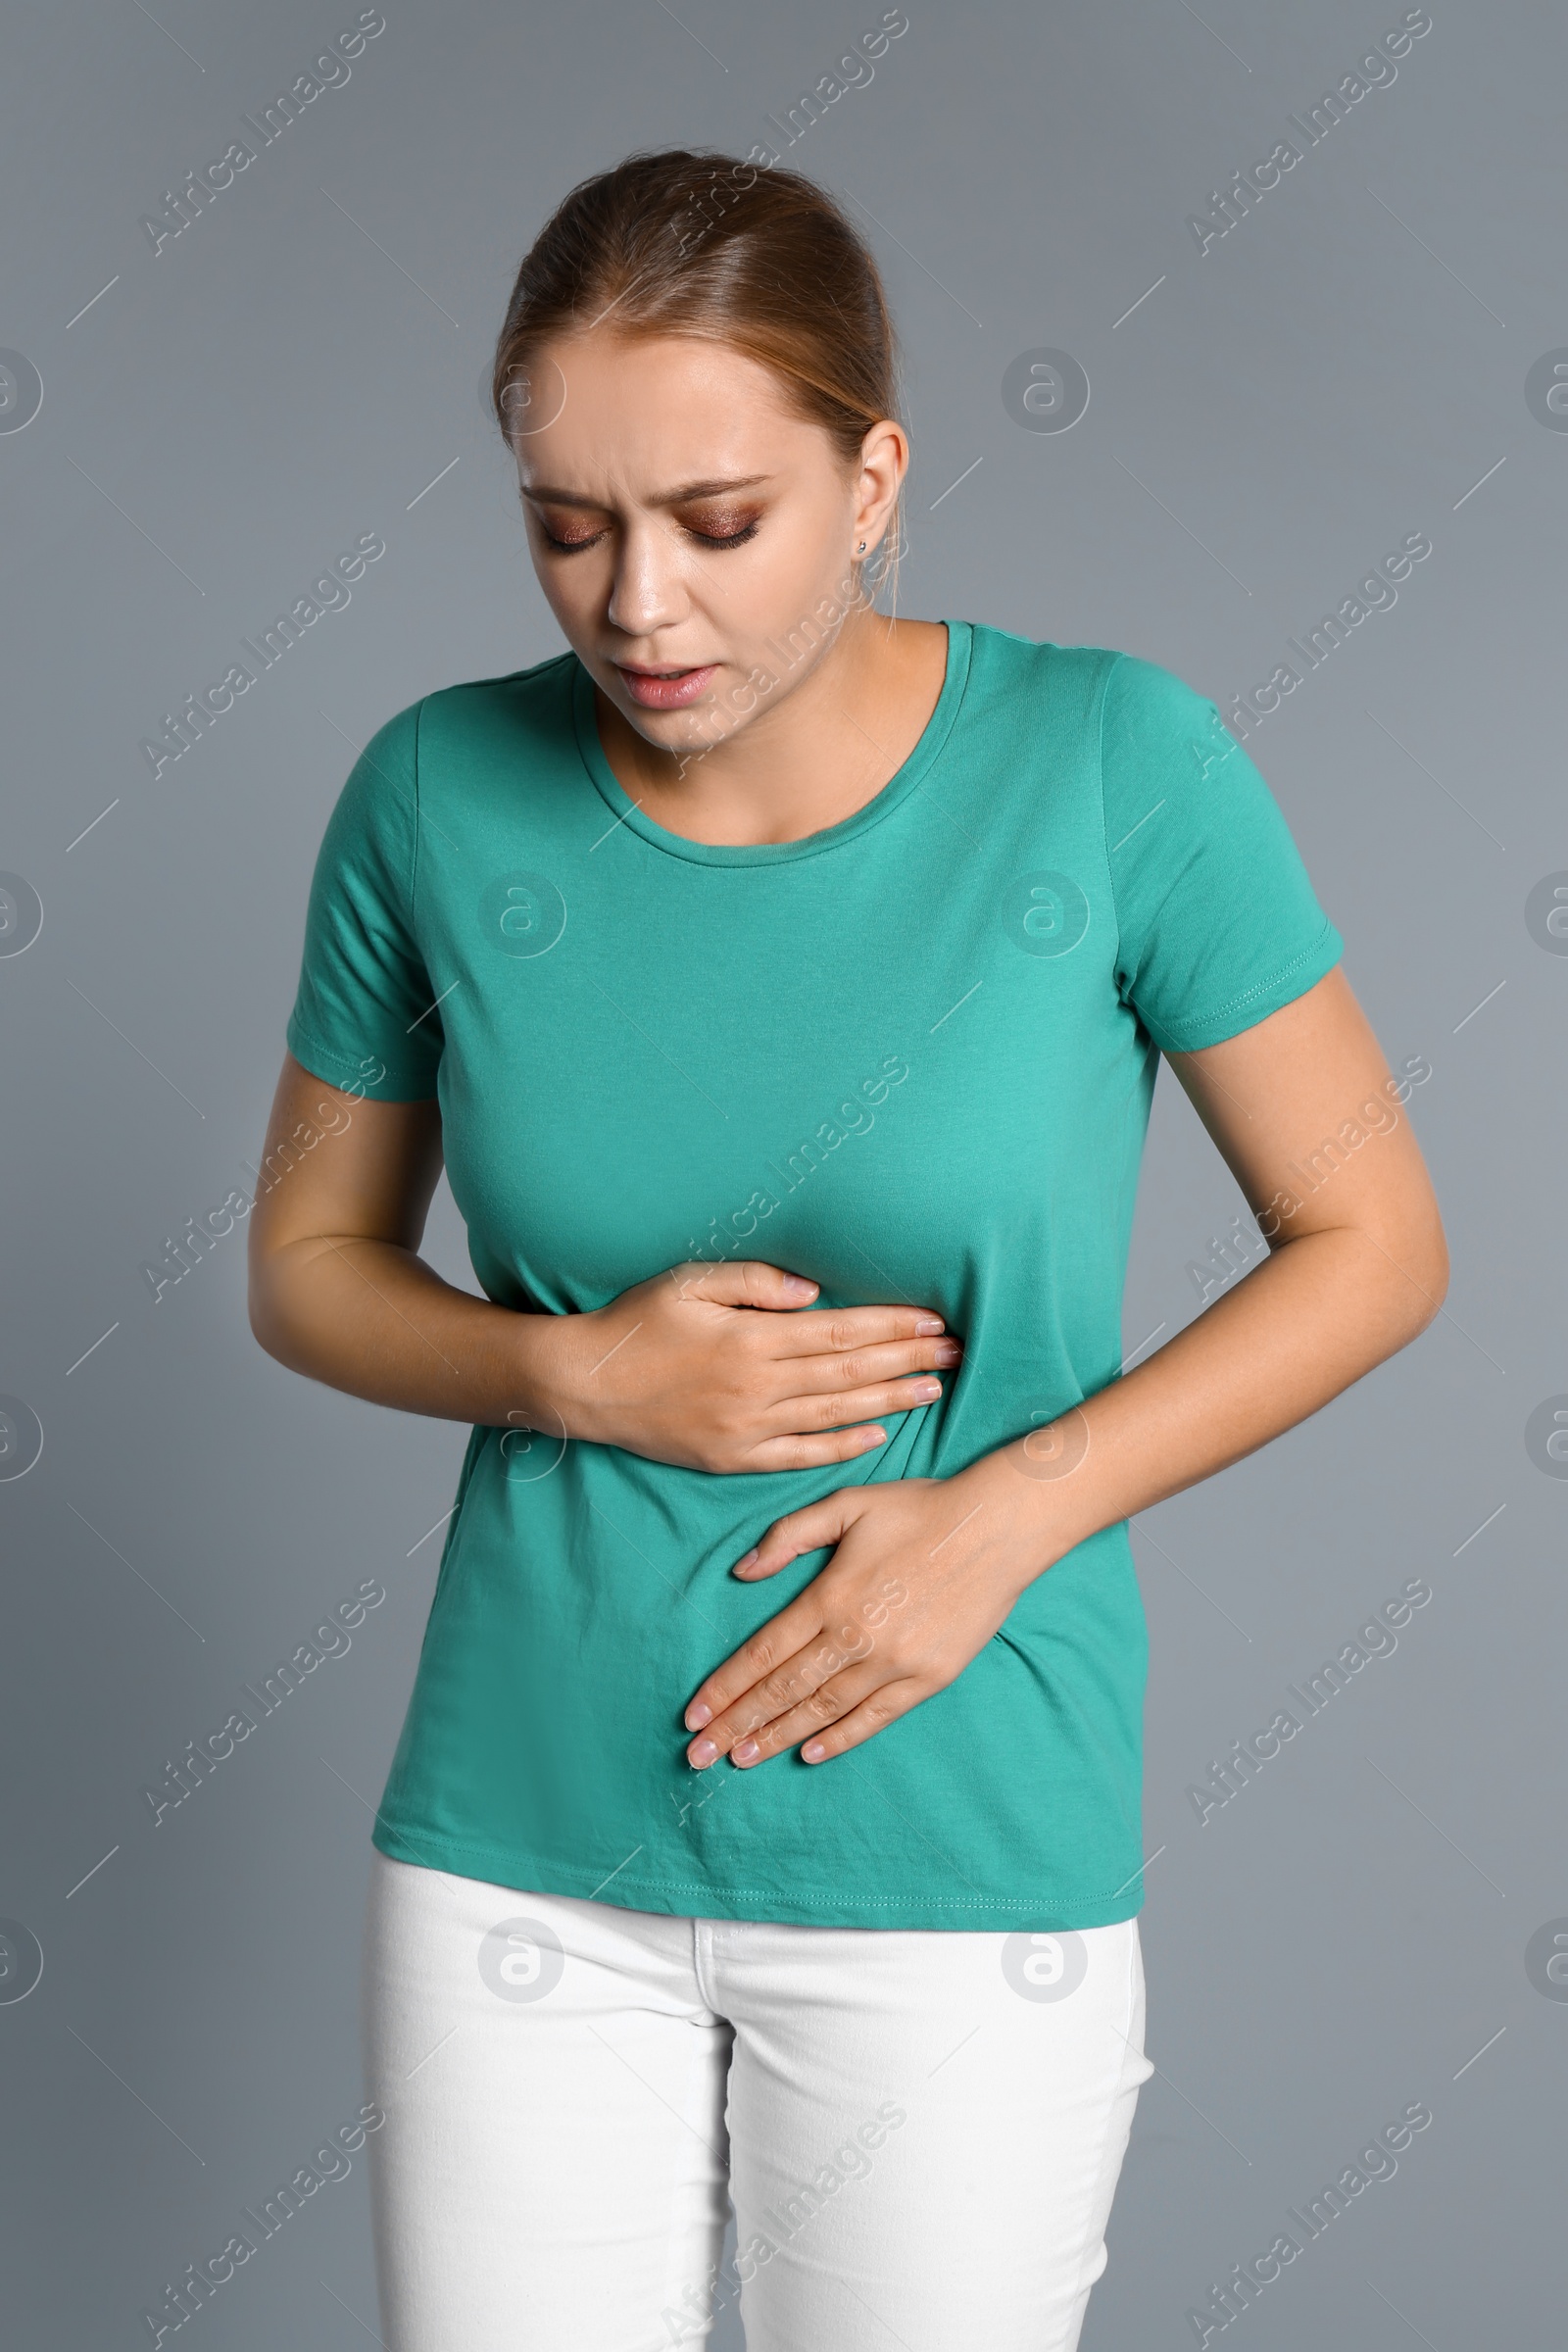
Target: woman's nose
[648,592]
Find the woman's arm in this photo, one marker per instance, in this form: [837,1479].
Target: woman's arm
[679,1368]
[1357,1266]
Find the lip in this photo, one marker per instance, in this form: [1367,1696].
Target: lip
[652,691]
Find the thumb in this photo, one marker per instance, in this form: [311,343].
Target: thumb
[820,1523]
[747,1282]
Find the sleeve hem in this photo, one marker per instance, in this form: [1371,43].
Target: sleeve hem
[1290,981]
[400,1082]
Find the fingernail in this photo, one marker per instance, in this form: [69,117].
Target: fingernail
[742,1754]
[814,1751]
[798,1288]
[873,1437]
[697,1715]
[927,1387]
[703,1753]
[926,1331]
[743,1563]
[948,1352]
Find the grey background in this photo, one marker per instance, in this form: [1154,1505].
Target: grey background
[1341,370]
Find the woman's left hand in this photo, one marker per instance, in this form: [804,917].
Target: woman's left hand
[924,1572]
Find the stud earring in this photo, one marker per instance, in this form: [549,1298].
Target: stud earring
[860,550]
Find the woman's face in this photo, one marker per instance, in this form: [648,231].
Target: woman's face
[695,539]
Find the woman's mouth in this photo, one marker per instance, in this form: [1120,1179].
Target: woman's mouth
[665,689]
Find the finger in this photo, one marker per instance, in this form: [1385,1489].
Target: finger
[816,1331]
[747,1282]
[805,1416]
[862,1698]
[862,1723]
[820,1523]
[810,1530]
[792,1684]
[796,1423]
[837,1370]
[799,1452]
[768,1649]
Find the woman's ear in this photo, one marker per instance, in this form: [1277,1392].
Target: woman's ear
[884,463]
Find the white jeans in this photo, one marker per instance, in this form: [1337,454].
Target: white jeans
[920,2131]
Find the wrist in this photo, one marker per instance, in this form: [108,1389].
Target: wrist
[1026,1503]
[546,1386]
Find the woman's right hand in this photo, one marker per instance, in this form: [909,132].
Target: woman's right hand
[710,1367]
[729,1368]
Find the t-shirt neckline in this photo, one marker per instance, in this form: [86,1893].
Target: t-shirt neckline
[882,804]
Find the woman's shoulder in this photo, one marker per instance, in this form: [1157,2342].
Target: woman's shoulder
[478,735]
[1128,695]
[1015,673]
[540,695]
[1009,653]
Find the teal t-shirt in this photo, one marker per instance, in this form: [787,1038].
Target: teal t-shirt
[910,1056]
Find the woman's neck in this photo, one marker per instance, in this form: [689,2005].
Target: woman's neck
[808,756]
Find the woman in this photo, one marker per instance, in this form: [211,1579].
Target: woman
[785,989]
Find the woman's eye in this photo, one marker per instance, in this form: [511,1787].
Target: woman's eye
[731,537]
[569,547]
[731,533]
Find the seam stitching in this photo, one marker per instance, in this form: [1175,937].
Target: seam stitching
[1104,830]
[1259,987]
[413,861]
[661,1886]
[344,1062]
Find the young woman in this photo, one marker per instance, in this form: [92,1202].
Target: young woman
[784,987]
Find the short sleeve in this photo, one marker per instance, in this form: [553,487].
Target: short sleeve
[365,1015]
[1217,922]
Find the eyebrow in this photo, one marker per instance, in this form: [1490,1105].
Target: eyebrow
[547,496]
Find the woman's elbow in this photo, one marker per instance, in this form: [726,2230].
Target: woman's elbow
[267,1306]
[262,1316]
[1418,1276]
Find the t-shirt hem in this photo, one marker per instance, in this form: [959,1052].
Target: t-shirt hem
[700,1898]
[1283,986]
